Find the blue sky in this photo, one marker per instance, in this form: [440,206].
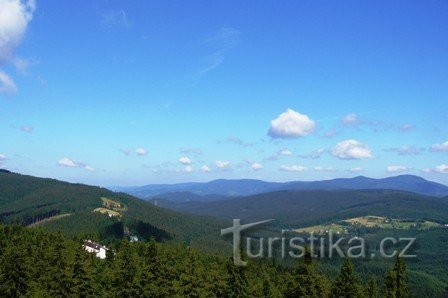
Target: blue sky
[137,92]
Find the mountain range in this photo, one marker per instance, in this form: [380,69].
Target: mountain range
[220,189]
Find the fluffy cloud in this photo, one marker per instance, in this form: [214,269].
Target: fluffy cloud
[141,151]
[205,169]
[325,169]
[285,152]
[185,160]
[256,166]
[441,169]
[351,149]
[222,164]
[356,170]
[14,18]
[443,147]
[67,162]
[350,119]
[291,124]
[293,168]
[397,169]
[406,150]
[188,169]
[2,157]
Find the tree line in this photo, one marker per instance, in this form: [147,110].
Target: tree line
[42,264]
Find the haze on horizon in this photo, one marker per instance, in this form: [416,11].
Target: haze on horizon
[113,93]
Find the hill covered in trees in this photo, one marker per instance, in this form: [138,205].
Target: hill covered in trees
[25,200]
[298,208]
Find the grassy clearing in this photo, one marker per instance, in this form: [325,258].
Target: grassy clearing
[111,207]
[369,221]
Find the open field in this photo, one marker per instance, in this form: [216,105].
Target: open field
[370,221]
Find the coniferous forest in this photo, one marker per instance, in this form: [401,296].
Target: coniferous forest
[35,263]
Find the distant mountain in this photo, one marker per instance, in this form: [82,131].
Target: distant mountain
[293,208]
[246,187]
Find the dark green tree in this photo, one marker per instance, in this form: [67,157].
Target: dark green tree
[371,289]
[346,283]
[395,281]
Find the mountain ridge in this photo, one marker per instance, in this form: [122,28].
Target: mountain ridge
[245,187]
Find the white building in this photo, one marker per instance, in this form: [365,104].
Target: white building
[93,247]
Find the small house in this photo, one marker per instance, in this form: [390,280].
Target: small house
[93,247]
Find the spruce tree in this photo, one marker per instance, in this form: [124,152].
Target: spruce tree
[306,280]
[347,283]
[395,280]
[371,289]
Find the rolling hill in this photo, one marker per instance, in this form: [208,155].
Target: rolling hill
[26,200]
[219,189]
[290,208]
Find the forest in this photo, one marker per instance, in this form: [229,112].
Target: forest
[38,263]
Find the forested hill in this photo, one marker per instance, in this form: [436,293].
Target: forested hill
[292,208]
[26,200]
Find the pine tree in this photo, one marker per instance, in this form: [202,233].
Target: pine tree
[395,280]
[306,281]
[371,289]
[346,283]
[237,283]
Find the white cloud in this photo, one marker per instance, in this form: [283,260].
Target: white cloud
[7,85]
[256,166]
[205,169]
[89,168]
[188,169]
[67,162]
[141,151]
[14,18]
[222,164]
[293,168]
[443,147]
[2,157]
[185,160]
[291,124]
[350,119]
[351,149]
[397,169]
[441,169]
[356,170]
[325,169]
[285,152]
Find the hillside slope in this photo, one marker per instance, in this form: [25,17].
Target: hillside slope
[25,200]
[317,206]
